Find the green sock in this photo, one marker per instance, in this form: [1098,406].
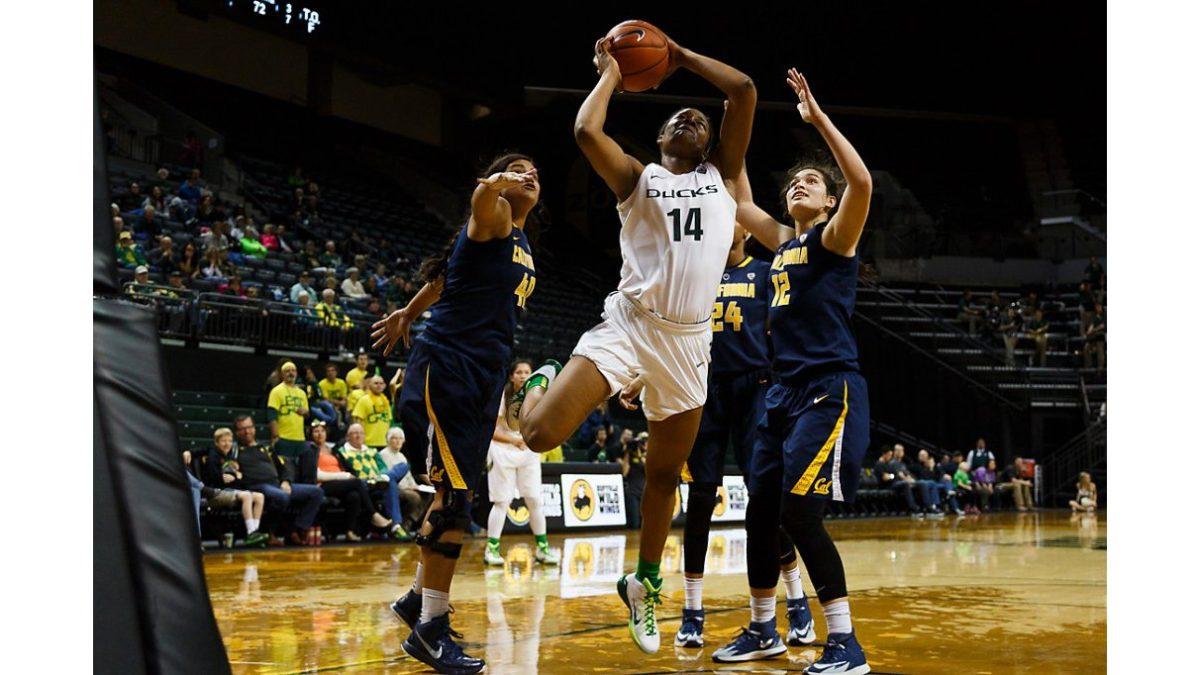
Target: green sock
[541,540]
[493,542]
[648,570]
[535,381]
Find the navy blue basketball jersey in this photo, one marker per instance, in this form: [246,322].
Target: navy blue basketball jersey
[487,285]
[812,299]
[739,319]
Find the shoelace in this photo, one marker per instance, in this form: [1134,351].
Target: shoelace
[648,602]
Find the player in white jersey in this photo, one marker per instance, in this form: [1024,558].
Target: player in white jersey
[513,469]
[677,219]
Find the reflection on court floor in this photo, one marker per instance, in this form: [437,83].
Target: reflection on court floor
[1003,593]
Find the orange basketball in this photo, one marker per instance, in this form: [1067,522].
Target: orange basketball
[641,53]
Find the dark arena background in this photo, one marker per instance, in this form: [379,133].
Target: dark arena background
[338,135]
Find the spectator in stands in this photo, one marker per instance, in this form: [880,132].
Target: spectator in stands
[147,224]
[331,313]
[352,287]
[251,246]
[215,267]
[1085,494]
[926,488]
[321,409]
[968,313]
[338,482]
[1093,272]
[381,277]
[980,456]
[287,407]
[993,313]
[360,370]
[1087,307]
[885,470]
[189,261]
[1095,344]
[215,239]
[190,189]
[330,259]
[269,239]
[1039,330]
[397,291]
[132,200]
[983,481]
[118,222]
[363,460]
[374,412]
[632,459]
[947,464]
[285,242]
[1030,304]
[218,475]
[176,284]
[966,491]
[926,471]
[1013,478]
[598,452]
[141,277]
[374,309]
[233,287]
[208,212]
[403,496]
[304,285]
[1010,330]
[264,471]
[164,257]
[156,199]
[595,419]
[334,388]
[129,254]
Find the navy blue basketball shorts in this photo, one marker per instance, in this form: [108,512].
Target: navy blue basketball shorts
[731,411]
[448,406]
[813,438]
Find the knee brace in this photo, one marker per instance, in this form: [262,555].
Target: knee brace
[804,519]
[762,539]
[702,498]
[454,515]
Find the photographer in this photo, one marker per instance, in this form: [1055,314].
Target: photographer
[632,458]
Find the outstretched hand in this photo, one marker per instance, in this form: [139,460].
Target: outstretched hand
[508,179]
[392,328]
[809,110]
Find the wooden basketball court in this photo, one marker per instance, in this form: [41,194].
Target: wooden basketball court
[1005,593]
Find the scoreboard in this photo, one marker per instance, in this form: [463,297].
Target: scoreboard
[299,17]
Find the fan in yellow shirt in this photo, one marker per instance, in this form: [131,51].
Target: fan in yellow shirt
[287,406]
[358,372]
[374,411]
[333,388]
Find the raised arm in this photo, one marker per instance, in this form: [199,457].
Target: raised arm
[619,170]
[845,228]
[768,231]
[491,214]
[741,96]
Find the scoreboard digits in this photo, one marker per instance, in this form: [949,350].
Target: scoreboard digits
[290,15]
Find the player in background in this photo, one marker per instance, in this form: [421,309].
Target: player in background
[737,385]
[513,468]
[454,383]
[677,219]
[815,432]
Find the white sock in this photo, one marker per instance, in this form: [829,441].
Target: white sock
[433,604]
[496,520]
[537,517]
[419,580]
[693,593]
[251,525]
[791,582]
[762,609]
[837,616]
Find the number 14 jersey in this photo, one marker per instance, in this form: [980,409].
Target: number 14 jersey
[676,231]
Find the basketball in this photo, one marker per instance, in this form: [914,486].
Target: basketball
[642,54]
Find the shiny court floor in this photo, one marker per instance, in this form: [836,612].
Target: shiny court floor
[1005,593]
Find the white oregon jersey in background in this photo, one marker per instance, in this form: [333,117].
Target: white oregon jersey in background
[675,237]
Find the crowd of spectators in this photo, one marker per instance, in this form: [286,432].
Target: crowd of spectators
[953,483]
[355,277]
[1026,319]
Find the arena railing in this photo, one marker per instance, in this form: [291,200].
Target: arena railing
[174,305]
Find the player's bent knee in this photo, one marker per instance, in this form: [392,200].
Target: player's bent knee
[453,515]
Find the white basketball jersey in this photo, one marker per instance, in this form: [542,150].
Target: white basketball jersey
[675,237]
